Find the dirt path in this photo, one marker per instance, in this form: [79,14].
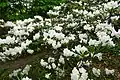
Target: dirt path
[21,62]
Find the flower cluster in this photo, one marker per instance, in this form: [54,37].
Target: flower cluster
[20,73]
[91,29]
[75,32]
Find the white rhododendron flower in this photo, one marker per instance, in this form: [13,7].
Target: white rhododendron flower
[83,49]
[48,66]
[61,60]
[96,12]
[88,27]
[111,4]
[78,48]
[115,33]
[38,17]
[56,45]
[57,7]
[108,72]
[82,70]
[52,12]
[60,36]
[96,72]
[75,74]
[87,63]
[51,41]
[58,28]
[50,60]
[1,20]
[26,70]
[67,52]
[9,24]
[51,33]
[53,65]
[105,39]
[83,38]
[8,40]
[93,42]
[99,56]
[26,78]
[37,36]
[15,73]
[47,75]
[115,17]
[30,51]
[43,63]
[84,76]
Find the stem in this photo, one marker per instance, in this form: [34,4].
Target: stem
[18,78]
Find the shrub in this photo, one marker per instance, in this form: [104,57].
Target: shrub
[22,9]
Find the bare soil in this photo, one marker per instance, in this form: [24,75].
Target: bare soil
[109,61]
[21,62]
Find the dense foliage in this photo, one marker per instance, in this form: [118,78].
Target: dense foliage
[22,9]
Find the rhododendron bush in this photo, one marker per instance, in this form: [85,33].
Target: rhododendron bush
[77,34]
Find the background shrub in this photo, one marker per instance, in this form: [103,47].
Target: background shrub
[21,9]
